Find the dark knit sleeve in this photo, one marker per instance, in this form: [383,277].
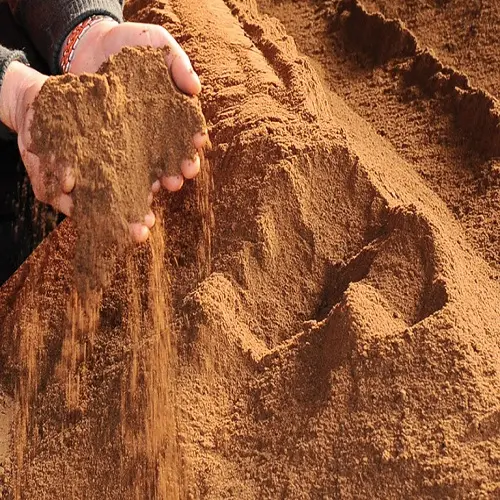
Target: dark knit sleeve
[49,22]
[6,57]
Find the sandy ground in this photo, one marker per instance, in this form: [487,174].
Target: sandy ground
[336,328]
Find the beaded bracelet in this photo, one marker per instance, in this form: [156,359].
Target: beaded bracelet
[74,38]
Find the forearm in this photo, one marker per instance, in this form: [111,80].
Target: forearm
[7,57]
[48,22]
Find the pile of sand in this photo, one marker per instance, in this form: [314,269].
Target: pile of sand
[344,345]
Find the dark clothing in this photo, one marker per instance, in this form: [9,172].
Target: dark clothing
[47,23]
[7,56]
[20,229]
[24,222]
[43,24]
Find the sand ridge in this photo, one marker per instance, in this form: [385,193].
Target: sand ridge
[414,99]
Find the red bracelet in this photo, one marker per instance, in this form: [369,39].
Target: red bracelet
[69,46]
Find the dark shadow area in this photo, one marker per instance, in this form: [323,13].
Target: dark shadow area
[23,221]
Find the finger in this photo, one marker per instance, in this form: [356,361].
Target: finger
[139,232]
[184,75]
[180,66]
[191,168]
[156,187]
[150,220]
[150,199]
[200,140]
[68,181]
[63,203]
[172,183]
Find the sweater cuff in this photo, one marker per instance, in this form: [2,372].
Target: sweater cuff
[48,27]
[6,57]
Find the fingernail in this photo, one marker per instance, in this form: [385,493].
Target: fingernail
[144,234]
[156,186]
[149,220]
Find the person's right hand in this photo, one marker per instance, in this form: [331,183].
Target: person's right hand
[21,86]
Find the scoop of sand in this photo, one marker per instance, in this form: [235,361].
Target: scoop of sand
[119,130]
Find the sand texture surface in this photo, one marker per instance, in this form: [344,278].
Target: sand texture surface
[316,316]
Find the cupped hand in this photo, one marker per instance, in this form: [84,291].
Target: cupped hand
[21,86]
[107,38]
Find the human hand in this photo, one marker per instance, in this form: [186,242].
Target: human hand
[20,88]
[107,38]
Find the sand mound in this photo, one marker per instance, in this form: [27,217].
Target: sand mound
[430,108]
[344,345]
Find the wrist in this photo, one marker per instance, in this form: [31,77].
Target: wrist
[20,86]
[76,51]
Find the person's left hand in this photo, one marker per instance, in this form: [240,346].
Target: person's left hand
[107,38]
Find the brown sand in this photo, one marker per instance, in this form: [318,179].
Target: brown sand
[346,341]
[404,98]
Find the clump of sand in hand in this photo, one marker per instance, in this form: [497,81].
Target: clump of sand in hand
[119,129]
